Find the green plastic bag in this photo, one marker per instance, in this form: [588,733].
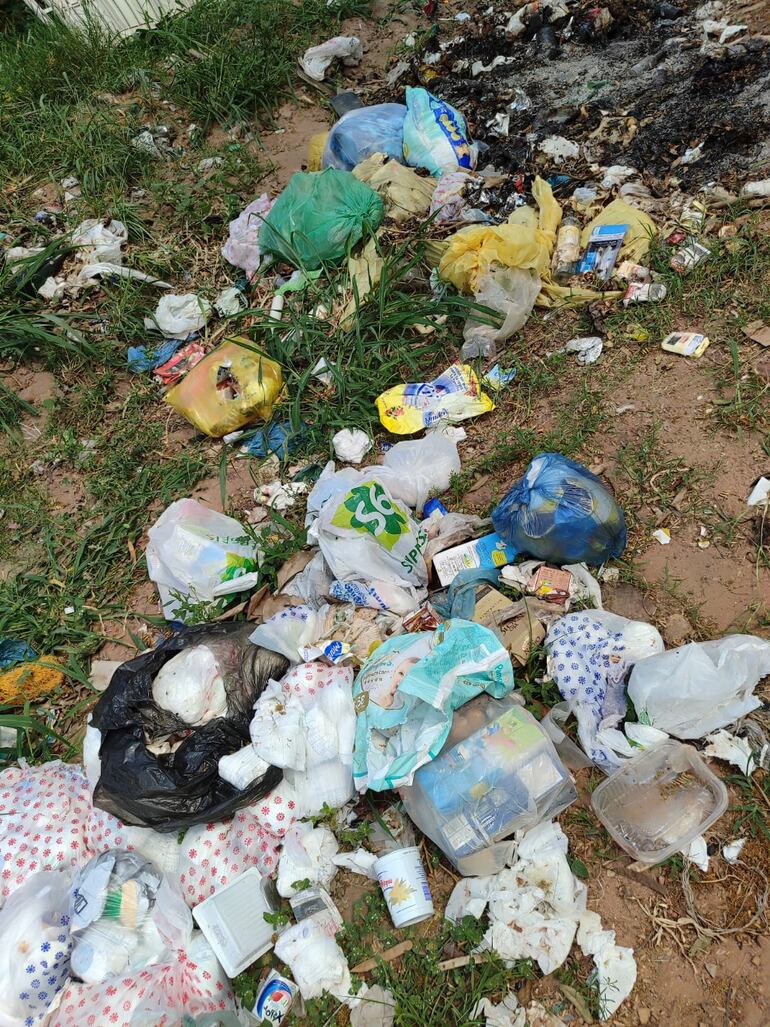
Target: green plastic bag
[319,217]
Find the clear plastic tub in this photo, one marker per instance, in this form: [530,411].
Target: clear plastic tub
[659,801]
[498,772]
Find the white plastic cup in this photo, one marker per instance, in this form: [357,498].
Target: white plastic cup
[405,886]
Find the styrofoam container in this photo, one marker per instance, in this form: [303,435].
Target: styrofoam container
[405,886]
[659,801]
[233,920]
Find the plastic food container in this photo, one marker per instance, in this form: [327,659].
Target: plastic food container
[498,772]
[659,801]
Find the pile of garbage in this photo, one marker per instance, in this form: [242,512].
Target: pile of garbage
[387,658]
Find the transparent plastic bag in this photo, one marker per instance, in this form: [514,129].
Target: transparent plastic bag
[562,513]
[193,550]
[35,954]
[511,291]
[362,132]
[421,468]
[113,916]
[698,688]
[231,387]
[498,772]
[241,248]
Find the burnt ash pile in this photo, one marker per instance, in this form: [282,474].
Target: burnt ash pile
[643,84]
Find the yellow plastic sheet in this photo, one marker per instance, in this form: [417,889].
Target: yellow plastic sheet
[404,193]
[228,389]
[641,228]
[454,396]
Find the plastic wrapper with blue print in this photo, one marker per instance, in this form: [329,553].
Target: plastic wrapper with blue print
[364,131]
[408,689]
[497,773]
[561,512]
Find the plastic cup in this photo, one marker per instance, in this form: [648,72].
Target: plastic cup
[405,886]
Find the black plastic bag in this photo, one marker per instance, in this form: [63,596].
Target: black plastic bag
[179,789]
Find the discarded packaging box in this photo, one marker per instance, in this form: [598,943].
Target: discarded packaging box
[602,251]
[233,920]
[317,904]
[498,772]
[519,636]
[490,551]
[757,331]
[689,257]
[686,344]
[551,584]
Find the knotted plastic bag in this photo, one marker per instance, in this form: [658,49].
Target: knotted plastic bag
[319,218]
[435,134]
[362,132]
[562,513]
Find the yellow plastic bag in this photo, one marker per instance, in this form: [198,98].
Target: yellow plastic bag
[228,389]
[641,228]
[404,193]
[453,396]
[315,150]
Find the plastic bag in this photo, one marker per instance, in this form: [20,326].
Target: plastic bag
[367,538]
[317,59]
[181,787]
[35,954]
[319,218]
[100,243]
[315,960]
[696,689]
[454,396]
[512,293]
[234,385]
[187,982]
[192,551]
[306,855]
[497,773]
[562,513]
[191,687]
[407,690]
[242,246]
[435,134]
[113,916]
[422,467]
[404,193]
[362,132]
[589,655]
[178,317]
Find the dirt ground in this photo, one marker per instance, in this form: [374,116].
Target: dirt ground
[692,477]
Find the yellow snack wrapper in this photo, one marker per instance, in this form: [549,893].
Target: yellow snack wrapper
[228,389]
[454,396]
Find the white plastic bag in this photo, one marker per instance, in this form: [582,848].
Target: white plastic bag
[291,631]
[315,960]
[177,317]
[696,689]
[100,243]
[195,551]
[351,445]
[35,951]
[306,855]
[317,59]
[191,686]
[242,246]
[512,292]
[368,539]
[420,468]
[242,767]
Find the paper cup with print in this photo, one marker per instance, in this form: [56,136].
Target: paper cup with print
[405,886]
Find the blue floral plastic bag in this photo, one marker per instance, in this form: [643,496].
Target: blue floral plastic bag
[561,513]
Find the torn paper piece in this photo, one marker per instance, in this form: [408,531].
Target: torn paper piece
[697,853]
[358,862]
[662,535]
[615,965]
[732,850]
[507,1013]
[760,493]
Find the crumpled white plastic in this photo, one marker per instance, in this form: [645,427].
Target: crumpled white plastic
[587,348]
[725,746]
[307,854]
[700,687]
[351,445]
[242,246]
[360,861]
[535,909]
[291,631]
[697,853]
[190,685]
[177,317]
[507,1013]
[242,767]
[315,960]
[732,850]
[98,242]
[317,59]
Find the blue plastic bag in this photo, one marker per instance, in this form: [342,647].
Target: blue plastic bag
[435,135]
[561,513]
[362,132]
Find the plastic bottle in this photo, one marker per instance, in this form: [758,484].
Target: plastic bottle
[567,250]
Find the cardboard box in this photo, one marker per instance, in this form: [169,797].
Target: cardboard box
[489,552]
